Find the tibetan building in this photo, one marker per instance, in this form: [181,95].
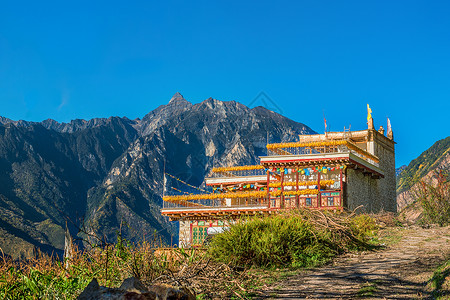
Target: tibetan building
[333,171]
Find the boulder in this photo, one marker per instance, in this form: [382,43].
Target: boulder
[133,289]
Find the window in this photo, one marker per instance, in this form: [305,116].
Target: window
[330,201]
[199,234]
[195,236]
[308,202]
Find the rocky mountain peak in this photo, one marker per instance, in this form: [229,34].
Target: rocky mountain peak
[211,103]
[49,121]
[163,113]
[4,120]
[176,98]
[222,107]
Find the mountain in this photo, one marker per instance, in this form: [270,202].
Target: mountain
[106,174]
[437,157]
[399,170]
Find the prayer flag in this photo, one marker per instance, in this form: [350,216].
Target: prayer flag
[165,183]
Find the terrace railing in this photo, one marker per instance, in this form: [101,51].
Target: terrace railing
[238,171]
[203,201]
[230,199]
[323,147]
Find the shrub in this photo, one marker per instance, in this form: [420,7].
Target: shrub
[434,197]
[303,238]
[364,226]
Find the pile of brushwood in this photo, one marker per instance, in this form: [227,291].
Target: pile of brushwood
[232,265]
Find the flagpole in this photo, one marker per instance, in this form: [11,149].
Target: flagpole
[164,180]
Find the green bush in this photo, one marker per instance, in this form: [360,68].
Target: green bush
[434,197]
[364,226]
[297,239]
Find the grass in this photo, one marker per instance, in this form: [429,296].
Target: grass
[430,239]
[367,290]
[47,277]
[440,281]
[255,252]
[391,236]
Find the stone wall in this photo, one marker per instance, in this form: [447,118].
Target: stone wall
[363,190]
[184,234]
[374,194]
[385,150]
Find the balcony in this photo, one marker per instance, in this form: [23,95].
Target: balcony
[316,149]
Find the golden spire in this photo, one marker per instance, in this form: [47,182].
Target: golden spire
[369,113]
[369,117]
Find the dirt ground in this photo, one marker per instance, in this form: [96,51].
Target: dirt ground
[400,271]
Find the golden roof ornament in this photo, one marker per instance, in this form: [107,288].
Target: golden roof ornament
[369,117]
[389,133]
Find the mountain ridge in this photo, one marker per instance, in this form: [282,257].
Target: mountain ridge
[106,172]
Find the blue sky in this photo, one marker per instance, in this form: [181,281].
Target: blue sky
[86,59]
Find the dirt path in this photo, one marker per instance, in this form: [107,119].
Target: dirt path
[401,271]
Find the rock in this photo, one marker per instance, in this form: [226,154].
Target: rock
[165,291]
[92,289]
[133,284]
[132,289]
